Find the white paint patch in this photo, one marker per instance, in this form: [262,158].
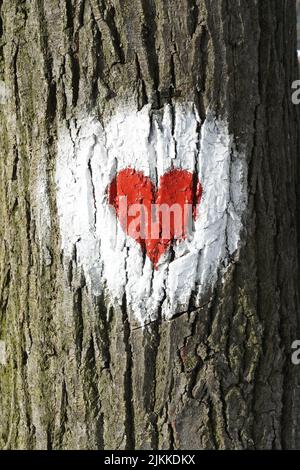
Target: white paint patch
[89,156]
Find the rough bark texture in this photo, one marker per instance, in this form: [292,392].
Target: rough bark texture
[77,376]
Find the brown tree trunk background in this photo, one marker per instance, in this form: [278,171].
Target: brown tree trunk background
[219,377]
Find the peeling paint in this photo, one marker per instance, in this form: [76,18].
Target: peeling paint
[154,143]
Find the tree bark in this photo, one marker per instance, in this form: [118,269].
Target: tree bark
[80,371]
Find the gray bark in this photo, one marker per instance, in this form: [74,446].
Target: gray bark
[219,377]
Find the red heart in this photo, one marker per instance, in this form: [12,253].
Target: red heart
[148,216]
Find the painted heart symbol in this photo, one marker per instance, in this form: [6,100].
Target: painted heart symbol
[155,218]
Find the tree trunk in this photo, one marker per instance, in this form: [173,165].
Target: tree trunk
[99,348]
